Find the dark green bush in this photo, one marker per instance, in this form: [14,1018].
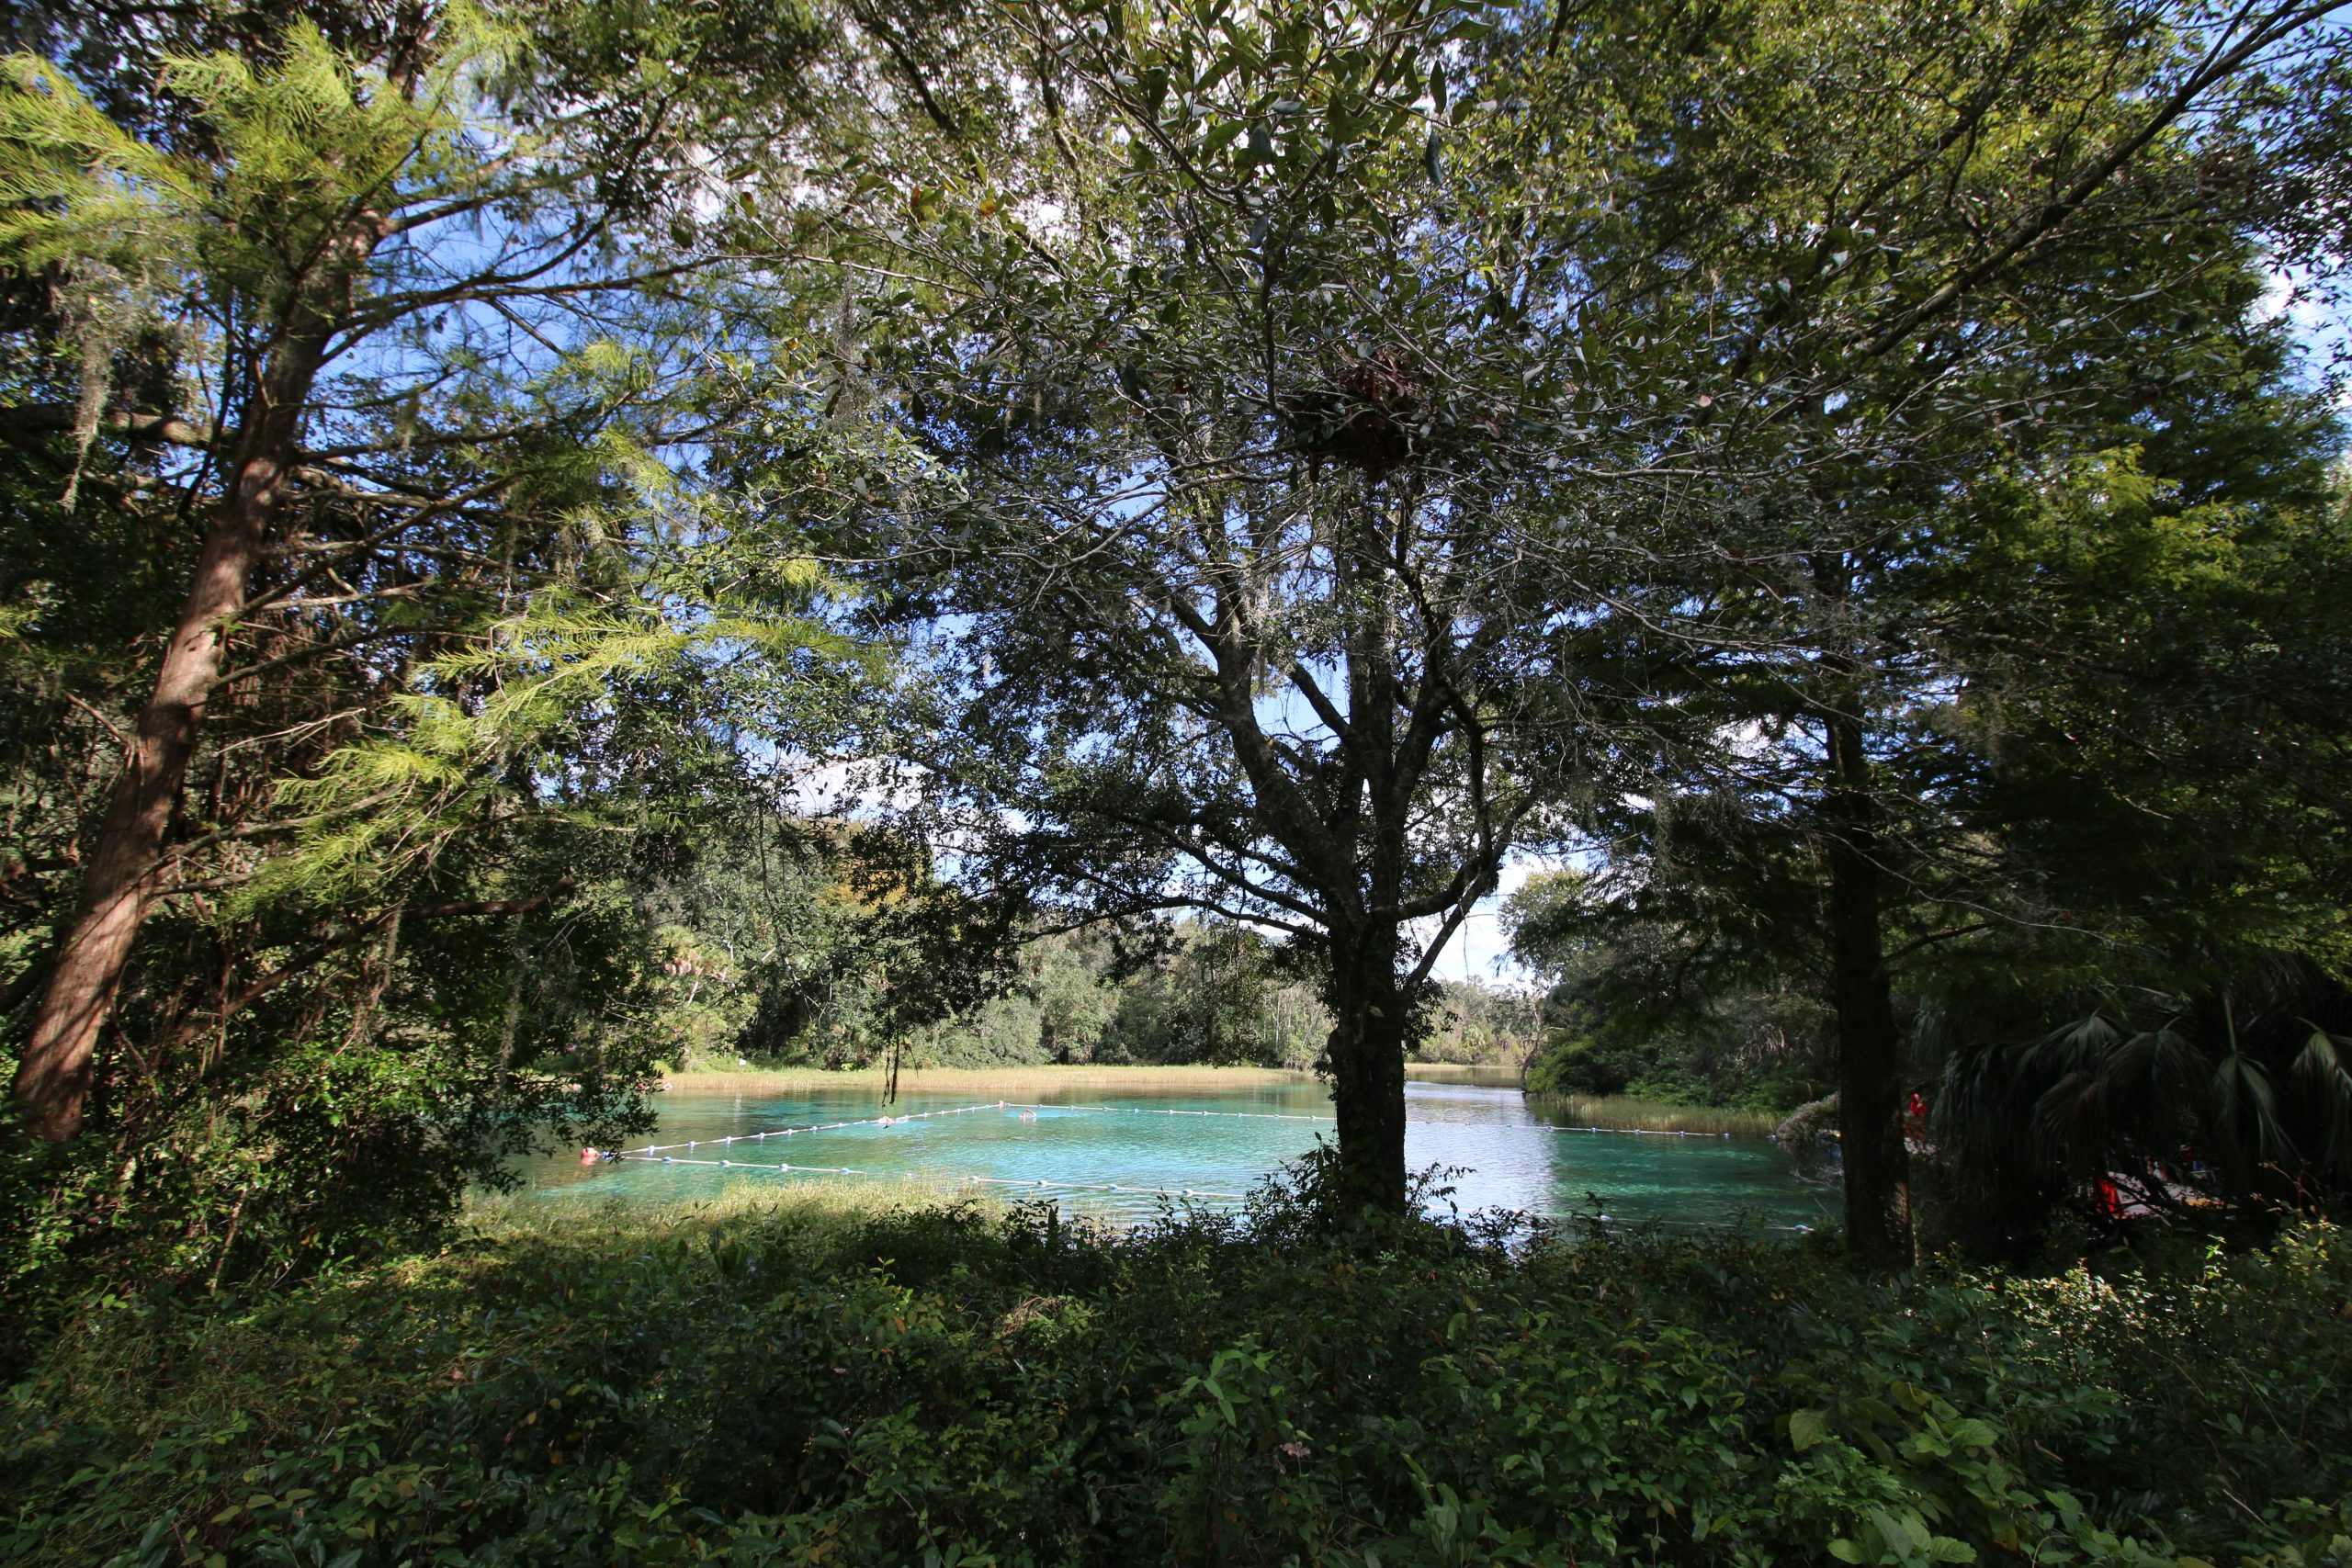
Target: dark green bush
[1746,1050]
[951,1386]
[344,1116]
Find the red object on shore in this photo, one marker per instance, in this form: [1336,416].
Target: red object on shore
[2110,1200]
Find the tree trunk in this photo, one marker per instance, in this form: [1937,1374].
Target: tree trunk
[1869,1082]
[53,1080]
[1370,1017]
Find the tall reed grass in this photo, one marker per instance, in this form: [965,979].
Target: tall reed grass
[1497,1074]
[1619,1110]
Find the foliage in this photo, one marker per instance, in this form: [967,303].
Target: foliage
[1615,1020]
[1748,1050]
[345,1099]
[766,1384]
[1474,1023]
[1219,995]
[491,646]
[820,968]
[2226,1109]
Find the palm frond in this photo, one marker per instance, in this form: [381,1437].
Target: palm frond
[2324,1070]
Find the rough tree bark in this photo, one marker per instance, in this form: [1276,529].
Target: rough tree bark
[53,1079]
[1371,1018]
[1870,1084]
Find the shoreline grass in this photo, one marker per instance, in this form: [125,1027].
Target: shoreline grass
[1025,1082]
[1003,1080]
[1618,1110]
[737,1079]
[1500,1075]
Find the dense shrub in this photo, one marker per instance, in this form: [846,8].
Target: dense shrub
[346,1114]
[1748,1050]
[954,1386]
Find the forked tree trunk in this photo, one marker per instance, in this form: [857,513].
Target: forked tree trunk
[1869,1082]
[1370,1018]
[52,1081]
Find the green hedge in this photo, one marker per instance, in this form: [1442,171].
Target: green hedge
[954,1386]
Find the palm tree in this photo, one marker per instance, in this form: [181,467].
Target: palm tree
[2234,1103]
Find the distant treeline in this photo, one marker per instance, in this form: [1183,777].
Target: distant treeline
[1748,1050]
[785,945]
[1194,993]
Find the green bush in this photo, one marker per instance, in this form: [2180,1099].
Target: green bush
[344,1116]
[956,1386]
[1745,1050]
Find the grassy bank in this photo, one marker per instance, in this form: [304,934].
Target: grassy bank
[1010,1081]
[1627,1110]
[1460,1072]
[1032,1082]
[796,1377]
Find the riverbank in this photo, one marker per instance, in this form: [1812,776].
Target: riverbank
[1497,1075]
[800,1376]
[1613,1111]
[1009,1082]
[1627,1111]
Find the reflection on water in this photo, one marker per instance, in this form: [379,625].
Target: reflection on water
[1507,1154]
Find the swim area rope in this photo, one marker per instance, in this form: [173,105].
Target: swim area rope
[1033,1106]
[663,1154]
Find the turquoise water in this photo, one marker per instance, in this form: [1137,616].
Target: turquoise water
[1121,1156]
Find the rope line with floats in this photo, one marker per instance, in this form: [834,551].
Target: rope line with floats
[1125,1189]
[1029,1109]
[660,1154]
[1638,1132]
[796,1131]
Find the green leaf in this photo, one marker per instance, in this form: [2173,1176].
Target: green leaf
[1972,1433]
[1809,1428]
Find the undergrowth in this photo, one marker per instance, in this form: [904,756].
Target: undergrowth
[796,1381]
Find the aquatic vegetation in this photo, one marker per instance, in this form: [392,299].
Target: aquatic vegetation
[1656,1116]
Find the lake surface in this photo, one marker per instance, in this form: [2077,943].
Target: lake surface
[1120,1156]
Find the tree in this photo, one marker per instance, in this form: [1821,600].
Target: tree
[411,264]
[1978,726]
[1874,290]
[1320,421]
[1212,515]
[1636,1006]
